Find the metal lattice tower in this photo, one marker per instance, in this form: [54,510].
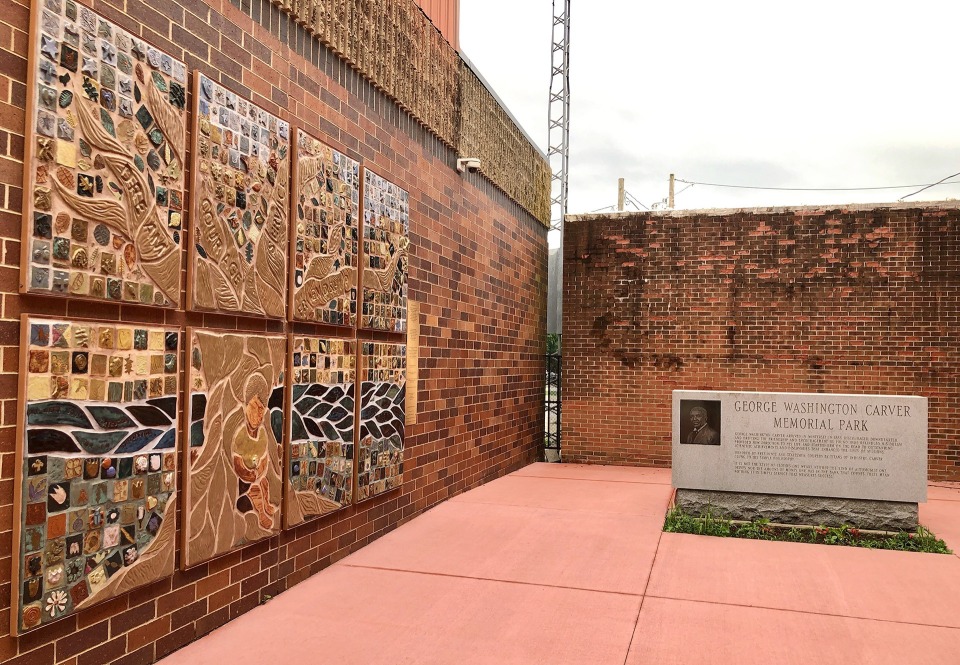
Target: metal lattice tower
[558,151]
[558,132]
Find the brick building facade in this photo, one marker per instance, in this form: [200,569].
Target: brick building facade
[477,267]
[858,299]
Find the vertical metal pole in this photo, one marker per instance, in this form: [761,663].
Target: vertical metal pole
[621,195]
[670,198]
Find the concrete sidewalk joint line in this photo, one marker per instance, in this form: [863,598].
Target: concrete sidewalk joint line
[636,623]
[589,480]
[492,579]
[561,510]
[796,611]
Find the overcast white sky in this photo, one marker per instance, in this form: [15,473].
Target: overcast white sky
[846,93]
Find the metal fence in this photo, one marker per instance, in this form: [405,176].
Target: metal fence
[551,441]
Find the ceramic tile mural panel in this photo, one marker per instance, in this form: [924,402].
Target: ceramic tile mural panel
[382,416]
[320,460]
[232,459]
[104,172]
[326,234]
[96,464]
[386,226]
[239,256]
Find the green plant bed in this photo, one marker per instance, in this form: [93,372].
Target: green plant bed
[923,540]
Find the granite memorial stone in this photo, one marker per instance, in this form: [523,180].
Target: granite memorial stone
[862,458]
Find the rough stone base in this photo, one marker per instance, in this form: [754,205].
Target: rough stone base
[808,510]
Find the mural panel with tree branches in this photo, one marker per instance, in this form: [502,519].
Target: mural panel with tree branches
[325,234]
[241,177]
[104,166]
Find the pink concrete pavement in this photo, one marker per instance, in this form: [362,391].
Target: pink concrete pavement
[563,563]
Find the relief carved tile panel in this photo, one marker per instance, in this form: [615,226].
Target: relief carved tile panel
[386,226]
[232,458]
[104,171]
[320,457]
[238,259]
[96,470]
[325,234]
[382,417]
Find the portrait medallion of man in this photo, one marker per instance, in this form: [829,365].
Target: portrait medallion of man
[700,422]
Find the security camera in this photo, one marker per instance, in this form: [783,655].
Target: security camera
[471,164]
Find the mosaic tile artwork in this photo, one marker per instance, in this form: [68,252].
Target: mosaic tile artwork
[232,487]
[386,226]
[382,417]
[105,182]
[239,255]
[320,463]
[97,471]
[326,234]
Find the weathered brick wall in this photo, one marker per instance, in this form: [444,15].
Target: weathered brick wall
[477,265]
[854,300]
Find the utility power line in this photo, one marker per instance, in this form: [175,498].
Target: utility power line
[630,198]
[945,181]
[929,186]
[635,201]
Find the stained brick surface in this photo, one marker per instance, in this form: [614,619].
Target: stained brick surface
[864,299]
[477,265]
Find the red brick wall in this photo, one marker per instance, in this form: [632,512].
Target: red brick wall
[477,265]
[852,300]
